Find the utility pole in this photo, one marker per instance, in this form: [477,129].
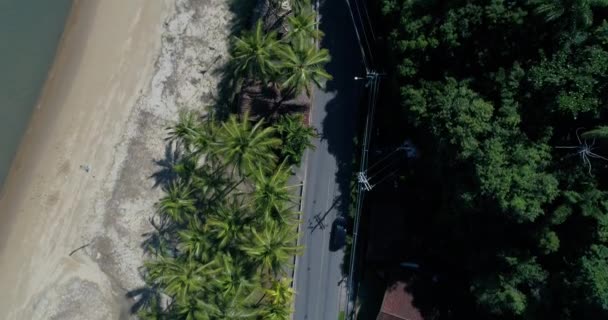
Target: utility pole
[372,85]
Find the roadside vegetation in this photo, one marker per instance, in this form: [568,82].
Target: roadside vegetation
[226,228]
[508,201]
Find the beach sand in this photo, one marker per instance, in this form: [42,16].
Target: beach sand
[84,175]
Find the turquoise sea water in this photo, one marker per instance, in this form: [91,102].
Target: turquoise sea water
[30,31]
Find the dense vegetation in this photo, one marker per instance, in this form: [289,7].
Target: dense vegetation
[506,100]
[226,229]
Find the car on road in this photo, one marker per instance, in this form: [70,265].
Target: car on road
[337,239]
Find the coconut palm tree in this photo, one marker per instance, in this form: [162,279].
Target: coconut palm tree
[271,192]
[296,137]
[280,291]
[285,215]
[600,132]
[303,27]
[192,309]
[234,273]
[254,53]
[226,225]
[271,248]
[303,64]
[245,146]
[575,13]
[270,311]
[278,300]
[178,204]
[194,244]
[180,279]
[235,305]
[189,131]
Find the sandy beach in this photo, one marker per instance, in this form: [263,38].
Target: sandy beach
[83,176]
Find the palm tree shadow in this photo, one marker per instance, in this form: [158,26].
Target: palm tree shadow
[166,174]
[143,296]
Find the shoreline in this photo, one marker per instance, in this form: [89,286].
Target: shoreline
[44,188]
[70,243]
[34,121]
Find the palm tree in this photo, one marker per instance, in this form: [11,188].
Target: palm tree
[575,13]
[271,192]
[235,305]
[178,204]
[192,309]
[180,279]
[303,27]
[272,248]
[303,65]
[296,137]
[246,147]
[600,132]
[285,215]
[194,244]
[253,53]
[280,292]
[226,225]
[279,299]
[235,273]
[270,311]
[194,135]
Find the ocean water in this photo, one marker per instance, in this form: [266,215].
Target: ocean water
[30,31]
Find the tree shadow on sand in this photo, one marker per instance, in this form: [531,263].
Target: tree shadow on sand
[165,175]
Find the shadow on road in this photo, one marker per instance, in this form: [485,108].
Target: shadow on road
[342,110]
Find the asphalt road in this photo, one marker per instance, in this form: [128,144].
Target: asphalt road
[318,276]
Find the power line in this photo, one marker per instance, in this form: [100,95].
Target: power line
[350,10]
[369,21]
[373,84]
[369,48]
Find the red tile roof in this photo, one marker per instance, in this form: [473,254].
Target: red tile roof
[398,304]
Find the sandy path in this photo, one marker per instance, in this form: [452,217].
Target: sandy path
[122,72]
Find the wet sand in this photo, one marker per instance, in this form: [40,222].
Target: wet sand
[83,175]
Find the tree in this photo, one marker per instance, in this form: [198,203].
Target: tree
[513,174]
[548,241]
[178,204]
[592,277]
[235,305]
[302,65]
[182,280]
[246,147]
[254,53]
[576,13]
[451,111]
[490,90]
[271,248]
[303,27]
[192,133]
[277,301]
[193,309]
[572,80]
[296,137]
[234,275]
[226,225]
[600,132]
[271,193]
[280,292]
[194,244]
[513,291]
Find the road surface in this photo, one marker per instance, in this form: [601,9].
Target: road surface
[318,273]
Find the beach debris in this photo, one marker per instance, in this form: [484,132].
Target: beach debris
[85,167]
[79,248]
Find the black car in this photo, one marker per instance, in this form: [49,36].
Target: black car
[338,234]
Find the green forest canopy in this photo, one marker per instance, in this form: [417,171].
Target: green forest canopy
[495,90]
